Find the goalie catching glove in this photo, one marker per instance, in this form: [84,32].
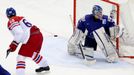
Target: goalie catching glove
[116,31]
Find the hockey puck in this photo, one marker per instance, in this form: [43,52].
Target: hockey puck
[55,35]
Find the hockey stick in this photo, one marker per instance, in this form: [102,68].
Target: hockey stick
[72,22]
[7,53]
[86,61]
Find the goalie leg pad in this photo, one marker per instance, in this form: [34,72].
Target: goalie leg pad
[89,56]
[76,37]
[88,53]
[106,45]
[73,49]
[74,41]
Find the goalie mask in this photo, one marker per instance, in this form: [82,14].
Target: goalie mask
[97,11]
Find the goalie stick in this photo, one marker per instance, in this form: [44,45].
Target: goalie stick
[81,49]
[87,62]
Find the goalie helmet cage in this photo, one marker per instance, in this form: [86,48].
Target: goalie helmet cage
[77,14]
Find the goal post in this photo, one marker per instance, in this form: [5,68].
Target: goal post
[74,14]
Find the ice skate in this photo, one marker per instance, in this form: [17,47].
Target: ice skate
[41,69]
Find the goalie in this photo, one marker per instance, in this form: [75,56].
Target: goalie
[93,29]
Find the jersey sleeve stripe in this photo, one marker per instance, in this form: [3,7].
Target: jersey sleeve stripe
[13,25]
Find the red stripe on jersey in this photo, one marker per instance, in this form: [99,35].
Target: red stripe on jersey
[10,28]
[14,20]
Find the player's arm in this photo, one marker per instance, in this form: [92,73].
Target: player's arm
[17,32]
[81,26]
[114,29]
[109,25]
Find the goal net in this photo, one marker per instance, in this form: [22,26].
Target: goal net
[124,18]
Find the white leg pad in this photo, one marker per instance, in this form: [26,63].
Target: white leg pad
[89,56]
[72,48]
[106,45]
[89,53]
[74,41]
[76,37]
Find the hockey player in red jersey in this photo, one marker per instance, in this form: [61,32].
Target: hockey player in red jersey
[31,38]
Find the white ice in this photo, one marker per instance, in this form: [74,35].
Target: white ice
[52,17]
